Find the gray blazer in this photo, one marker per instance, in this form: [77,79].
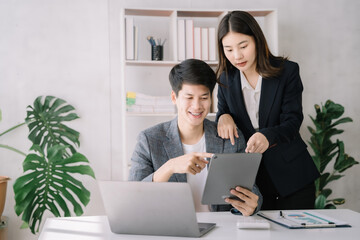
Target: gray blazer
[158,144]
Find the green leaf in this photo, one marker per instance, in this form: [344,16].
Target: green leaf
[334,110]
[338,201]
[323,180]
[326,192]
[342,120]
[45,122]
[334,177]
[50,187]
[320,202]
[330,206]
[346,163]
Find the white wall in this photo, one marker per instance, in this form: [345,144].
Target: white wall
[70,49]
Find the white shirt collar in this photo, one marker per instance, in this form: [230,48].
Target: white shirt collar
[246,84]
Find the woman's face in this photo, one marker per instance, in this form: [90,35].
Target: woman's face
[240,50]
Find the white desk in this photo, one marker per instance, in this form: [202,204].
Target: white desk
[97,227]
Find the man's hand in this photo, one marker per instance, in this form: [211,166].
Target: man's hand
[257,143]
[227,128]
[248,203]
[192,163]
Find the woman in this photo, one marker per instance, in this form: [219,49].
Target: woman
[261,95]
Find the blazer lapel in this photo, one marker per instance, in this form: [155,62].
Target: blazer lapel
[173,146]
[214,144]
[268,92]
[238,100]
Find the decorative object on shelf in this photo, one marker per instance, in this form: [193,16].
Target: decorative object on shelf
[325,150]
[141,103]
[47,183]
[157,49]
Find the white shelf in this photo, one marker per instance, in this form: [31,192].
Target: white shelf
[160,63]
[151,77]
[134,114]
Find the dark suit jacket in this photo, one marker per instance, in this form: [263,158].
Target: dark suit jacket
[287,161]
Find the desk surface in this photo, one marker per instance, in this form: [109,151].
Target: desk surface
[97,227]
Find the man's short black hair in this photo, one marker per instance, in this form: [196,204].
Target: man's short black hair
[193,72]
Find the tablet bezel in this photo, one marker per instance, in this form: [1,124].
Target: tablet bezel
[228,170]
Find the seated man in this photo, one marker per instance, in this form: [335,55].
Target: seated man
[176,151]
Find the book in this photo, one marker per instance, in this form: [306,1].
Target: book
[212,44]
[296,219]
[136,43]
[197,43]
[214,104]
[189,36]
[129,38]
[181,39]
[204,44]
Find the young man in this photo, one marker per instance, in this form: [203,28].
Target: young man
[176,150]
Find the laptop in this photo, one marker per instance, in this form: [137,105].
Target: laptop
[147,208]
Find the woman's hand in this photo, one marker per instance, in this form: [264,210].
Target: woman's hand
[257,143]
[227,128]
[247,203]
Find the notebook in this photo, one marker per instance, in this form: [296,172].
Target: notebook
[147,208]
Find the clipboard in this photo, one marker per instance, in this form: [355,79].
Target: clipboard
[301,219]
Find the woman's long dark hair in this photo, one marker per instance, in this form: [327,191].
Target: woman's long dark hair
[243,22]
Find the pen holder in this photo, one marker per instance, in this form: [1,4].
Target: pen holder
[157,52]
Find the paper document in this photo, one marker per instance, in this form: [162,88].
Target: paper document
[302,219]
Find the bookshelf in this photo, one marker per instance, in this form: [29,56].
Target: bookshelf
[143,75]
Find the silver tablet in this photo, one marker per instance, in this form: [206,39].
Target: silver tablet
[226,171]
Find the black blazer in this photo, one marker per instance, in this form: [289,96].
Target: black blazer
[287,160]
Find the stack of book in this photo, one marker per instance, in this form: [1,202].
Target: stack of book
[141,103]
[195,42]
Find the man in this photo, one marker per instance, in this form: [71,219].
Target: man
[176,150]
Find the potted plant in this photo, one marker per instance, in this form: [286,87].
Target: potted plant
[325,150]
[3,186]
[48,182]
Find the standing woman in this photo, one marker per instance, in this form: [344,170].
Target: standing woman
[261,95]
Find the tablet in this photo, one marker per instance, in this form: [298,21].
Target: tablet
[228,170]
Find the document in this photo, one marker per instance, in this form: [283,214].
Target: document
[295,219]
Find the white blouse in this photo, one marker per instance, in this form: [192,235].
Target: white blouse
[251,99]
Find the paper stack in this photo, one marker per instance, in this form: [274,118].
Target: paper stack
[141,103]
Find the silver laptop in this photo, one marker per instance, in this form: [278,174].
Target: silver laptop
[147,208]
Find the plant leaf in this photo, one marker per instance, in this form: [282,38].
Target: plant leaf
[45,122]
[323,180]
[326,192]
[330,206]
[47,184]
[338,201]
[320,202]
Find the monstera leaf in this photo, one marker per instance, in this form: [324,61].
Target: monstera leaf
[48,183]
[44,120]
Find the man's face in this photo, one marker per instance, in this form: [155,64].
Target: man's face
[193,104]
